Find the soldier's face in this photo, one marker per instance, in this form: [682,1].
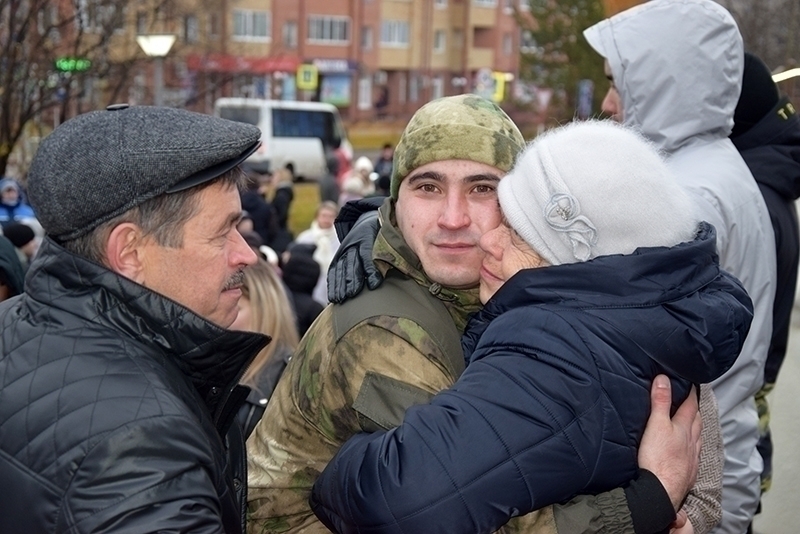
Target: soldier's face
[443,209]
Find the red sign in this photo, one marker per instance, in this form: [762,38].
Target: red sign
[228,63]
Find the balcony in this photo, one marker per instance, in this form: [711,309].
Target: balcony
[479,58]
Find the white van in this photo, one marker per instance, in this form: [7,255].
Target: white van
[294,135]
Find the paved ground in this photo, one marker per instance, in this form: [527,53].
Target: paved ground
[781,505]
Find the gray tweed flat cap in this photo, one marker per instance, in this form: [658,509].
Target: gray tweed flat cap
[103,163]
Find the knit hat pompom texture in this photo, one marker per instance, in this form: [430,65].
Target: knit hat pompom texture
[593,189]
[465,127]
[98,165]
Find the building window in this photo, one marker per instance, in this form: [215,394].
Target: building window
[366,38]
[364,92]
[141,23]
[439,38]
[485,3]
[290,34]
[458,38]
[95,17]
[331,30]
[213,25]
[190,29]
[507,44]
[437,87]
[394,33]
[413,88]
[251,25]
[401,97]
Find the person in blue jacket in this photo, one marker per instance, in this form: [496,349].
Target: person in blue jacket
[601,278]
[12,204]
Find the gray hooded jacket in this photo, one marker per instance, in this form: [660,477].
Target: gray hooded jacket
[677,65]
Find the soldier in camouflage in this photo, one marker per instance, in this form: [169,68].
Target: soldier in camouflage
[362,363]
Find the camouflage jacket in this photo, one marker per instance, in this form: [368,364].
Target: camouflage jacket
[313,410]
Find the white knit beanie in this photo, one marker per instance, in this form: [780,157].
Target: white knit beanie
[591,189]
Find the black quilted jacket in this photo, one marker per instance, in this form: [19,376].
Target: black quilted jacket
[116,407]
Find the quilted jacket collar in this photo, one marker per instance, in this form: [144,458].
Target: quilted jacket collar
[213,358]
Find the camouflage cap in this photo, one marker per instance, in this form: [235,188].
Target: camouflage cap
[457,127]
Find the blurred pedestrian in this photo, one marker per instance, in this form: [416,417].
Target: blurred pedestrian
[13,207]
[328,185]
[383,165]
[352,188]
[282,199]
[323,235]
[363,166]
[766,131]
[120,376]
[301,275]
[24,239]
[265,223]
[264,308]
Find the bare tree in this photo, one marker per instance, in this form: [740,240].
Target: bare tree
[769,29]
[51,54]
[556,55]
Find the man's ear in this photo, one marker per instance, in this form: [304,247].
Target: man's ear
[124,251]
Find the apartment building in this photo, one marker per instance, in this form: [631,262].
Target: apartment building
[371,58]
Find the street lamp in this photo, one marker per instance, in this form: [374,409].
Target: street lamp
[157,47]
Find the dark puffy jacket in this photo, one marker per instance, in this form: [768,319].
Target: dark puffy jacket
[116,407]
[554,398]
[771,150]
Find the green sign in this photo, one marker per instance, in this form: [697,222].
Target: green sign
[72,64]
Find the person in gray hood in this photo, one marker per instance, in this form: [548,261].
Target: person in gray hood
[676,71]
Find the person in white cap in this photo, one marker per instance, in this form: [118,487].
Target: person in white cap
[676,71]
[599,279]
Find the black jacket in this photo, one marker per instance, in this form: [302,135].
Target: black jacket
[771,149]
[116,407]
[265,223]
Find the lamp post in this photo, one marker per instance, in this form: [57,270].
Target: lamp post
[157,47]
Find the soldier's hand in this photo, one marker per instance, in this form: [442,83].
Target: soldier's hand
[352,264]
[670,448]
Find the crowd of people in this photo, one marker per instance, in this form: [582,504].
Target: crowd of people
[572,334]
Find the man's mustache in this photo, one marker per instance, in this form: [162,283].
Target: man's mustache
[236,280]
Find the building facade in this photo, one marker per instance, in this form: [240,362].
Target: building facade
[371,58]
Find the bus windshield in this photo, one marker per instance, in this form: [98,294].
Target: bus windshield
[305,123]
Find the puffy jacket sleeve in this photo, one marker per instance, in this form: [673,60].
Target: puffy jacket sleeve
[521,429]
[156,475]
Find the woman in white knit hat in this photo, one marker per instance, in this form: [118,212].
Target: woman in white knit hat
[600,279]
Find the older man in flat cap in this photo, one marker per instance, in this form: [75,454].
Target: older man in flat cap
[119,375]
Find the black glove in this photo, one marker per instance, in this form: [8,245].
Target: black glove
[349,214]
[352,264]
